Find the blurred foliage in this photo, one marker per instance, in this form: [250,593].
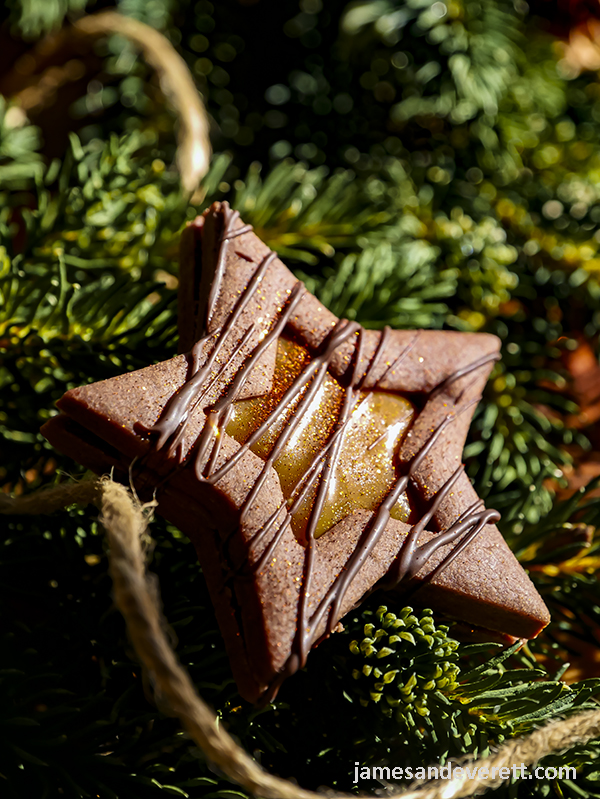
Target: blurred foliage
[462,57]
[36,17]
[19,143]
[420,164]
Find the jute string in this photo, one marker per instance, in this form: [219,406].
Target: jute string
[126,523]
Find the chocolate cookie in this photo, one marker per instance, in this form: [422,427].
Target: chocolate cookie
[310,461]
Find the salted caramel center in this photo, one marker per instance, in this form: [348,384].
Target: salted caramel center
[366,467]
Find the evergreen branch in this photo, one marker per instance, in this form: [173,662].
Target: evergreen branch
[297,210]
[119,184]
[513,441]
[406,670]
[395,283]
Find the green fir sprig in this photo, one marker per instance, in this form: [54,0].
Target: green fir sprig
[441,699]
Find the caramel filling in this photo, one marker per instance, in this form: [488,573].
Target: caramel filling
[365,471]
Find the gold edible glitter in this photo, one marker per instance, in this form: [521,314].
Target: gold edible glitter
[366,468]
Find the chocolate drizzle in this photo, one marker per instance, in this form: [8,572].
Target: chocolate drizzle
[169,431]
[230,218]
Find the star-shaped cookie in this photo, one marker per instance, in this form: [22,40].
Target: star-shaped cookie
[310,461]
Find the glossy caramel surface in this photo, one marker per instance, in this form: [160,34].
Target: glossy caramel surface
[366,468]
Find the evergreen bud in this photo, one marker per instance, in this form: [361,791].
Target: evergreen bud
[419,663]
